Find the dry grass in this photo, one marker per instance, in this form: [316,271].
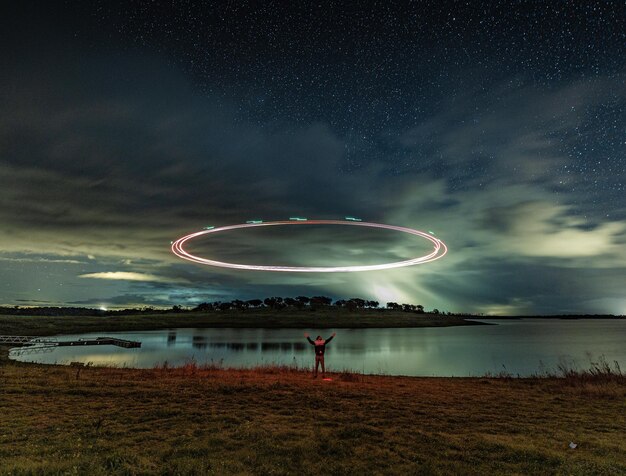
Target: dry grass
[277,420]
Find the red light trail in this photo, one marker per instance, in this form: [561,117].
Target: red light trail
[439,248]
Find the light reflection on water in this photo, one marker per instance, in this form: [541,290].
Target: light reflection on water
[520,347]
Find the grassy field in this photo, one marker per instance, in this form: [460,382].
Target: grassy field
[278,421]
[265,318]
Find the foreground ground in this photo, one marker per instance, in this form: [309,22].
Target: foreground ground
[279,421]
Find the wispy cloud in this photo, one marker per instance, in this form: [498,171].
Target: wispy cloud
[130,276]
[39,260]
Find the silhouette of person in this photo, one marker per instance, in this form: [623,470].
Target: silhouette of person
[320,348]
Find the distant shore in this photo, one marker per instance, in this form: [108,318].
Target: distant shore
[265,319]
[553,316]
[323,318]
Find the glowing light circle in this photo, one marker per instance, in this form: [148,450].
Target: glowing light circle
[439,248]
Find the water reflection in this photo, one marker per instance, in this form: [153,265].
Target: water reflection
[171,338]
[518,347]
[199,342]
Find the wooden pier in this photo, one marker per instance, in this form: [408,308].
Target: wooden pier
[128,344]
[33,341]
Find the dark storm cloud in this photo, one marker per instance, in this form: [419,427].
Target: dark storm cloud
[160,144]
[107,157]
[117,177]
[154,160]
[84,177]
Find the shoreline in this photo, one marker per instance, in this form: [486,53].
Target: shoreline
[50,326]
[41,326]
[323,319]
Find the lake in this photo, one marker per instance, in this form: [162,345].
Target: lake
[520,347]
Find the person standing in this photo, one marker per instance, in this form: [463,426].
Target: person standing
[320,348]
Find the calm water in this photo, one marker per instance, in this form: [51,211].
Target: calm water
[517,346]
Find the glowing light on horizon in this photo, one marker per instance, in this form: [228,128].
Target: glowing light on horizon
[439,248]
[385,293]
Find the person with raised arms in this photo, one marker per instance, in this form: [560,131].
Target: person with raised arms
[320,348]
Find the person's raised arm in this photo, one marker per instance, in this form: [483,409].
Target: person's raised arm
[331,337]
[306,334]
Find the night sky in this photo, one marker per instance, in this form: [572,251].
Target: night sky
[499,126]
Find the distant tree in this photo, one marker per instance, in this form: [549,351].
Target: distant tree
[275,302]
[420,309]
[238,304]
[321,300]
[290,302]
[303,299]
[358,302]
[203,307]
[372,304]
[177,308]
[225,306]
[408,307]
[255,302]
[393,305]
[340,302]
[435,311]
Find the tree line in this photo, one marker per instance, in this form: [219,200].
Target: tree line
[273,303]
[302,302]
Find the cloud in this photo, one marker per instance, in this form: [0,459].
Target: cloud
[515,132]
[544,229]
[127,276]
[147,169]
[38,259]
[117,172]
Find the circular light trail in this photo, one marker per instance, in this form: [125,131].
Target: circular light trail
[439,248]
